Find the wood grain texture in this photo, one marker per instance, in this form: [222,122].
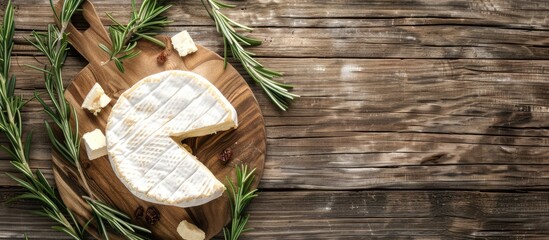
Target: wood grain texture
[425,42]
[527,14]
[494,29]
[365,215]
[426,95]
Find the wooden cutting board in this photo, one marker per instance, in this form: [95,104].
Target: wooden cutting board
[247,142]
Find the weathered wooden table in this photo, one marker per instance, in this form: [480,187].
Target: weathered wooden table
[418,119]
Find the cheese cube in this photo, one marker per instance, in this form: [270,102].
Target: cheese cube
[96,144]
[96,99]
[189,231]
[183,43]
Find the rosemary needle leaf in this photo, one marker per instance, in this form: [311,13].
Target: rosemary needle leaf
[105,48]
[11,86]
[151,39]
[129,55]
[119,65]
[67,231]
[116,22]
[6,149]
[27,144]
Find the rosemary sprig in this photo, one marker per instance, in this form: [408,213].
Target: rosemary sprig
[54,45]
[144,24]
[114,217]
[239,196]
[277,92]
[19,149]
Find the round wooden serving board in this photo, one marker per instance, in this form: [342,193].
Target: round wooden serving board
[247,141]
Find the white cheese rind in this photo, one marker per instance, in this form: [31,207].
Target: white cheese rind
[96,99]
[184,44]
[96,144]
[146,125]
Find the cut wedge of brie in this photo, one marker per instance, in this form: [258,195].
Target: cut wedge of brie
[145,129]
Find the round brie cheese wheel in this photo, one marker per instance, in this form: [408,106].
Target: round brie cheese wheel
[145,129]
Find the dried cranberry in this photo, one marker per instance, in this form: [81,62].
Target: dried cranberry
[152,215]
[226,155]
[139,212]
[162,57]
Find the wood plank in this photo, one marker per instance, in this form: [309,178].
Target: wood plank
[328,14]
[493,30]
[399,214]
[476,124]
[357,215]
[378,42]
[396,124]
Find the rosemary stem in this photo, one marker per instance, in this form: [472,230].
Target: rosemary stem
[129,35]
[84,180]
[17,143]
[22,153]
[59,36]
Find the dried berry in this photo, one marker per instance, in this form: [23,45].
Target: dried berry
[139,212]
[226,155]
[162,57]
[152,215]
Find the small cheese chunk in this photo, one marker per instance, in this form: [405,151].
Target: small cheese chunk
[96,144]
[96,99]
[189,231]
[183,43]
